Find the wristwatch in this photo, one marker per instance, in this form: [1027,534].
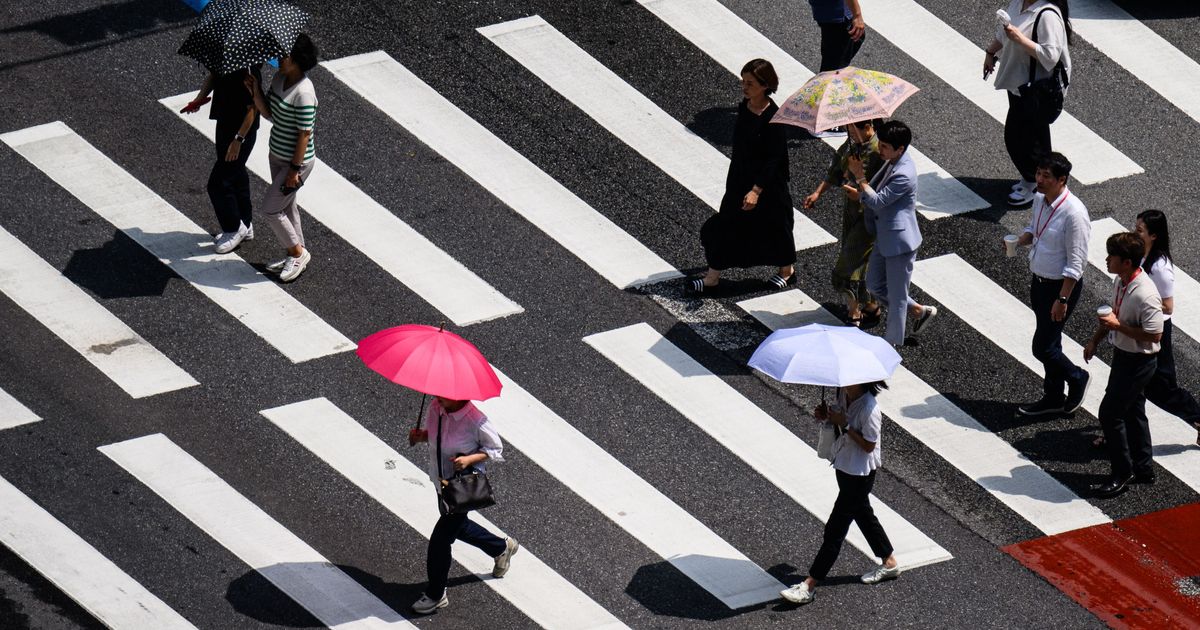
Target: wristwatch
[295,167]
[1062,300]
[239,137]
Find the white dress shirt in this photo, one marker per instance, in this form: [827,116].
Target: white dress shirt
[1060,236]
[1012,69]
[465,431]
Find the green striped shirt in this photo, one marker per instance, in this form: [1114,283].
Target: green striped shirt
[292,111]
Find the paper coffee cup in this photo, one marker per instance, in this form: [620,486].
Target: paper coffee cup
[1103,310]
[1010,245]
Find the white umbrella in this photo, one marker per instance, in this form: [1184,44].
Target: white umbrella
[830,356]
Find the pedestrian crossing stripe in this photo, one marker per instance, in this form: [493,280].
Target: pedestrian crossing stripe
[501,170]
[295,568]
[119,198]
[944,428]
[77,569]
[958,62]
[731,42]
[756,438]
[630,116]
[403,488]
[443,282]
[1009,323]
[13,413]
[83,324]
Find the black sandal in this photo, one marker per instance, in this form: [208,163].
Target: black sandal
[779,282]
[696,286]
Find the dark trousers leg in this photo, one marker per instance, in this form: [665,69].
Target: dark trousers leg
[853,504]
[1164,390]
[451,527]
[1047,338]
[1026,136]
[229,183]
[837,49]
[1123,414]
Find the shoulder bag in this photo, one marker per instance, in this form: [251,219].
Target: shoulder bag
[467,490]
[1043,98]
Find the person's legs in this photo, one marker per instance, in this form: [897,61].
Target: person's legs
[864,516]
[475,535]
[222,182]
[1018,138]
[835,40]
[282,213]
[437,558]
[1137,426]
[1164,390]
[241,181]
[899,274]
[837,526]
[1126,382]
[1047,339]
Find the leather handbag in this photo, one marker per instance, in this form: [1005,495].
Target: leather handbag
[1043,98]
[466,490]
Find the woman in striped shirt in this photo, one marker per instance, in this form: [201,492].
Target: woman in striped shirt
[291,106]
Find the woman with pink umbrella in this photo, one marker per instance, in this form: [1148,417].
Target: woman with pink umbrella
[446,366]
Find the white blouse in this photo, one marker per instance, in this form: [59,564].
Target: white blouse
[465,431]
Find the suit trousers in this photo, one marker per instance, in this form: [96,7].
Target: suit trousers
[888,278]
[1164,390]
[229,183]
[1123,414]
[853,504]
[1047,337]
[451,527]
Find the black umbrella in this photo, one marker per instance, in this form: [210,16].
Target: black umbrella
[236,34]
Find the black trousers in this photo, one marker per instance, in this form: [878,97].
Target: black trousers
[451,527]
[853,504]
[1123,414]
[1047,337]
[837,49]
[1163,388]
[229,183]
[1026,136]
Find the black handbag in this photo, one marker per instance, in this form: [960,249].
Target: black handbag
[1043,98]
[466,490]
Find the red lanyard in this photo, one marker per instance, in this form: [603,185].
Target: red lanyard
[1038,231]
[1119,295]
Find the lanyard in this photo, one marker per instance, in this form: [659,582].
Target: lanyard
[1119,295]
[1038,231]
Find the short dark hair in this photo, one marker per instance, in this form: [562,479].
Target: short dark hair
[895,133]
[1126,246]
[304,52]
[1056,163]
[763,72]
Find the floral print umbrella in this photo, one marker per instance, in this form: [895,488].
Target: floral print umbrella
[237,34]
[840,97]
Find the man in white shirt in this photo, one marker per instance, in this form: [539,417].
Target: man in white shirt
[1134,327]
[1057,236]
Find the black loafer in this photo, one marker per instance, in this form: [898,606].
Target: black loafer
[1113,487]
[1075,394]
[1146,478]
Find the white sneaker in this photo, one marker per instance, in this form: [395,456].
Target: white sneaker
[1019,184]
[294,266]
[923,321]
[277,266]
[249,232]
[1023,195]
[229,241]
[798,594]
[426,605]
[880,573]
[510,549]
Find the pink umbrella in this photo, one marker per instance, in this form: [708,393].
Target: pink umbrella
[840,97]
[430,360]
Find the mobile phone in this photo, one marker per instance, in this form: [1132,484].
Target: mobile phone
[287,190]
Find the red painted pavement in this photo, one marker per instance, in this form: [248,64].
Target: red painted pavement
[1137,573]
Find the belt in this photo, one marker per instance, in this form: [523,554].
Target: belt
[1037,278]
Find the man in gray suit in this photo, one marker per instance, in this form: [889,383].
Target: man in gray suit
[890,205]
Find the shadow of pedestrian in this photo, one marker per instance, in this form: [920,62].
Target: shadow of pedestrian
[715,125]
[118,269]
[664,590]
[98,23]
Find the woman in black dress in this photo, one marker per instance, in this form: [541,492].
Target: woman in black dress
[754,224]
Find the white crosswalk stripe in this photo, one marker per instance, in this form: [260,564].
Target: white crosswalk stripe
[952,433]
[405,490]
[1141,51]
[73,565]
[13,413]
[732,42]
[90,329]
[1009,323]
[380,235]
[628,500]
[629,115]
[148,219]
[959,62]
[252,535]
[756,438]
[508,175]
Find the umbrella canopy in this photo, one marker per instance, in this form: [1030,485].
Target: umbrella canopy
[832,356]
[237,34]
[840,97]
[430,360]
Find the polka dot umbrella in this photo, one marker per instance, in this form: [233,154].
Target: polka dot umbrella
[237,34]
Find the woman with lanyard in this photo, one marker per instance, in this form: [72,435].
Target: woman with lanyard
[856,461]
[1163,389]
[1031,44]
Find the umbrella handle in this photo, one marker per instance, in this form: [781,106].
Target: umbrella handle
[420,414]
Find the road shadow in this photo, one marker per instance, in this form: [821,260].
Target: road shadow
[97,24]
[118,269]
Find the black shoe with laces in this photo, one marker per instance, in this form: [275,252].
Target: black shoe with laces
[1040,408]
[1075,394]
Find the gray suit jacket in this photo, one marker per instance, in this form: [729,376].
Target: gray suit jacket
[891,210]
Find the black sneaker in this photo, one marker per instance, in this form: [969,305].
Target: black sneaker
[927,315]
[1040,408]
[1075,394]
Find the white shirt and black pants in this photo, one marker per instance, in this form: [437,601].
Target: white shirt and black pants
[855,472]
[463,432]
[1163,389]
[1123,411]
[1061,229]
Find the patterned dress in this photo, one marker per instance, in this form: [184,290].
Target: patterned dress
[850,271]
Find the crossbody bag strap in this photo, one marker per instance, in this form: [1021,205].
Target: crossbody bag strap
[1058,71]
[439,447]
